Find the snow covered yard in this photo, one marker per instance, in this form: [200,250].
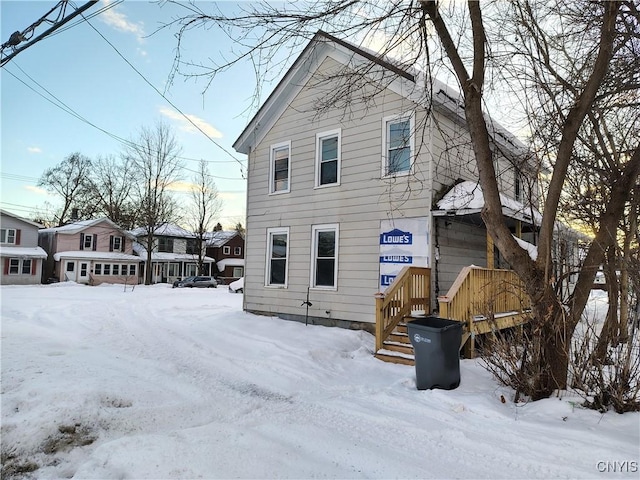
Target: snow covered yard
[163,383]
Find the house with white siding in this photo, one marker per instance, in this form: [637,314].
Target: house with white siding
[340,199]
[174,253]
[20,255]
[90,252]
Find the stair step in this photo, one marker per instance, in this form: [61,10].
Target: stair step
[395,357]
[398,347]
[399,338]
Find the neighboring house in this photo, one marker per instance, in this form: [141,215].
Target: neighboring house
[22,258]
[174,253]
[90,252]
[227,249]
[339,200]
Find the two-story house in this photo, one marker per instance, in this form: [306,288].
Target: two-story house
[174,253]
[341,198]
[226,247]
[21,257]
[90,252]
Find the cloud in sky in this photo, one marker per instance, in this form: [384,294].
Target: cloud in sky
[36,190]
[34,150]
[187,126]
[118,20]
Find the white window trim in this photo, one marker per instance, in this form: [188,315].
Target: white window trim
[312,278]
[385,122]
[237,251]
[5,239]
[272,170]
[319,137]
[226,250]
[18,266]
[267,270]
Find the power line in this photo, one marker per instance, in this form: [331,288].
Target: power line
[166,99]
[18,37]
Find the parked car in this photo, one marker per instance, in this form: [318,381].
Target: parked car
[237,286]
[201,282]
[180,280]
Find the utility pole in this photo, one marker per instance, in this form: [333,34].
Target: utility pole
[18,37]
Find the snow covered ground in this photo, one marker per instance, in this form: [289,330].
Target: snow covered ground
[160,383]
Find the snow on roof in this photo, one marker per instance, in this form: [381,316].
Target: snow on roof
[114,256]
[165,230]
[167,256]
[466,198]
[76,227]
[23,252]
[219,238]
[230,262]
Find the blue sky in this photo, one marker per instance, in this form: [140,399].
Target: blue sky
[81,70]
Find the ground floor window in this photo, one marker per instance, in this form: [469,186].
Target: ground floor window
[238,272]
[190,269]
[115,269]
[17,266]
[324,256]
[277,256]
[14,266]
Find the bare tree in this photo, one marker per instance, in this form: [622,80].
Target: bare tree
[155,165]
[68,179]
[465,43]
[112,188]
[204,207]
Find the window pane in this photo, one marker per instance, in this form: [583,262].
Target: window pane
[97,269]
[132,269]
[281,169]
[326,244]
[279,245]
[26,267]
[278,267]
[14,265]
[329,148]
[329,172]
[116,269]
[399,134]
[325,269]
[399,160]
[107,269]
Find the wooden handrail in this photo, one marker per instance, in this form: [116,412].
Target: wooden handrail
[411,290]
[483,292]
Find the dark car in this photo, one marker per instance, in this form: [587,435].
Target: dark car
[201,282]
[179,281]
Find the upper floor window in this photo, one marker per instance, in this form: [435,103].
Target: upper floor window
[192,246]
[397,145]
[277,256]
[324,251]
[237,251]
[165,244]
[88,241]
[328,147]
[226,250]
[117,243]
[280,168]
[8,235]
[517,185]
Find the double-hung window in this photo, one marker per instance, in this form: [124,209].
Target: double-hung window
[280,168]
[324,256]
[328,148]
[8,235]
[277,257]
[397,145]
[26,266]
[14,266]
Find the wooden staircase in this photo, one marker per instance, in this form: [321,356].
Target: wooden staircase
[397,347]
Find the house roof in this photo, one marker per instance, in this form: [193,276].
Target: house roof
[77,227]
[167,256]
[12,215]
[164,230]
[23,252]
[466,198]
[230,262]
[219,238]
[410,83]
[95,255]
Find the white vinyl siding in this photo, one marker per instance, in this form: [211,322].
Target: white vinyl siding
[277,257]
[328,147]
[397,141]
[280,168]
[324,256]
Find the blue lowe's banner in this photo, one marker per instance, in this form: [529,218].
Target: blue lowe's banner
[403,242]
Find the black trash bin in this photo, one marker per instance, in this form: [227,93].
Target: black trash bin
[436,347]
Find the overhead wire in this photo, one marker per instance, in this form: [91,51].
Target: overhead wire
[166,99]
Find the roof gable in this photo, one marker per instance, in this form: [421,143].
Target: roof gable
[408,82]
[77,227]
[21,219]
